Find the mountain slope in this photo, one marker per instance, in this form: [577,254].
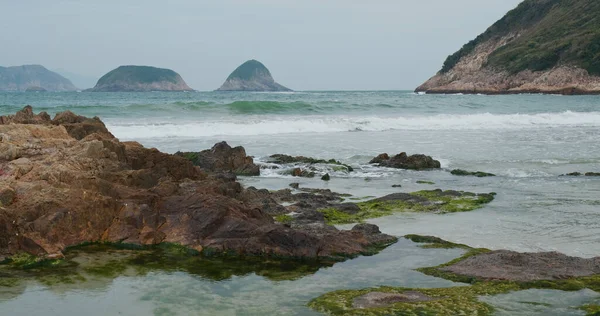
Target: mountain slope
[32,77]
[140,79]
[550,46]
[251,76]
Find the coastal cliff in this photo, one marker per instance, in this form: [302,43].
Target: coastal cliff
[140,79]
[33,78]
[542,46]
[251,76]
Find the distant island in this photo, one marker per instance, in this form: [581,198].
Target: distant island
[251,76]
[140,79]
[33,78]
[542,46]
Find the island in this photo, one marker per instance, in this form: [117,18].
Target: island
[251,76]
[33,78]
[548,46]
[140,79]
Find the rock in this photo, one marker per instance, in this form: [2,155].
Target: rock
[578,174]
[524,267]
[223,158]
[529,50]
[326,177]
[297,172]
[287,159]
[403,161]
[396,186]
[98,189]
[140,79]
[381,299]
[348,208]
[7,196]
[33,78]
[479,174]
[251,76]
[295,185]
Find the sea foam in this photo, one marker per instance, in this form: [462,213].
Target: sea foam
[270,125]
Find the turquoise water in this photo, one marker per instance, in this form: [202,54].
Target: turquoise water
[527,140]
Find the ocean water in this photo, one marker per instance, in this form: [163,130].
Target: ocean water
[527,140]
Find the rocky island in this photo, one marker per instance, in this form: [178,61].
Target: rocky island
[542,46]
[251,76]
[140,79]
[33,78]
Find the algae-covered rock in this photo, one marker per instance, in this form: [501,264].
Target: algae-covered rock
[287,159]
[403,161]
[431,201]
[326,177]
[479,174]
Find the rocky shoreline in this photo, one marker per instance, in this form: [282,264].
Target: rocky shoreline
[68,181]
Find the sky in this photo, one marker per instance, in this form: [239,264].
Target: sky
[306,44]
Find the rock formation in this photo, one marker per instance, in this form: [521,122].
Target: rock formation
[68,180]
[251,76]
[140,79]
[403,161]
[33,78]
[223,158]
[542,46]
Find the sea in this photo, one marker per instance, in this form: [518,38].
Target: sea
[528,141]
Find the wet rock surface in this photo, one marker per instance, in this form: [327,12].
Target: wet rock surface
[74,182]
[403,161]
[479,174]
[523,267]
[222,157]
[381,299]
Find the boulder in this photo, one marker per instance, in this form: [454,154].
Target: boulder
[403,161]
[222,157]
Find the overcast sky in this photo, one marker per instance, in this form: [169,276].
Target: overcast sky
[307,44]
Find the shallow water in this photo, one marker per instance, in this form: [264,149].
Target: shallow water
[528,141]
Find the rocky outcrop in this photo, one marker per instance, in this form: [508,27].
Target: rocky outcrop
[222,158]
[140,79]
[524,267]
[403,161]
[67,181]
[251,76]
[479,174]
[535,48]
[33,78]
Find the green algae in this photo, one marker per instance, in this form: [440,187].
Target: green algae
[446,301]
[438,201]
[461,300]
[425,182]
[591,309]
[284,219]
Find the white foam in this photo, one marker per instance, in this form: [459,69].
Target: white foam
[323,124]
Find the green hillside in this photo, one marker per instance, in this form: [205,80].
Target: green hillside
[249,70]
[553,32]
[138,74]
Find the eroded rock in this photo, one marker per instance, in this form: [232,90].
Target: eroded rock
[222,157]
[403,161]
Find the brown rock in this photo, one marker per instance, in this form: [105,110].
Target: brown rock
[403,161]
[382,299]
[83,185]
[221,157]
[524,267]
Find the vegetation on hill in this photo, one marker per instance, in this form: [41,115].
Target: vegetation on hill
[139,74]
[552,32]
[248,70]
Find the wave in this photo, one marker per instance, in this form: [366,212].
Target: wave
[327,124]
